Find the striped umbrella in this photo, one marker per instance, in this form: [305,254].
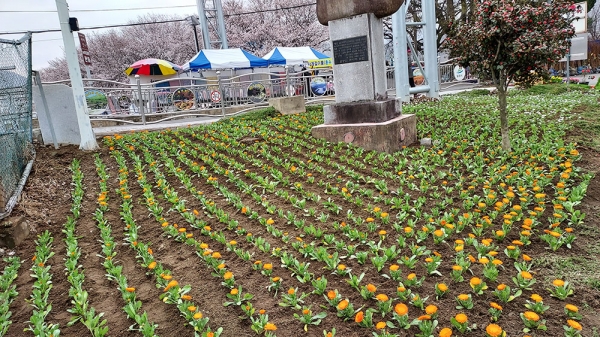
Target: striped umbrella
[152,67]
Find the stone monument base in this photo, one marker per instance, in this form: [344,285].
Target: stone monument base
[288,105]
[389,136]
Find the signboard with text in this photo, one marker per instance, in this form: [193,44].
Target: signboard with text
[87,59]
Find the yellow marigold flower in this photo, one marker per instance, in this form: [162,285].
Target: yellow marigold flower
[411,276]
[463,297]
[536,297]
[382,297]
[268,266]
[191,308]
[461,318]
[446,332]
[457,267]
[270,222]
[494,330]
[228,275]
[401,289]
[181,230]
[372,288]
[431,309]
[384,214]
[526,275]
[216,255]
[558,283]
[382,232]
[496,306]
[428,260]
[442,287]
[407,229]
[571,308]
[484,260]
[341,267]
[531,316]
[380,325]
[376,209]
[359,317]
[234,291]
[370,220]
[343,305]
[270,327]
[401,309]
[459,248]
[574,324]
[438,232]
[198,315]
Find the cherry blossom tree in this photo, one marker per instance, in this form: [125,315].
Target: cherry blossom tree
[266,28]
[511,40]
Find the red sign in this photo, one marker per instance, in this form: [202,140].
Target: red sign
[82,42]
[215,96]
[87,59]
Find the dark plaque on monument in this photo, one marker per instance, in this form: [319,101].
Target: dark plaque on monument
[354,49]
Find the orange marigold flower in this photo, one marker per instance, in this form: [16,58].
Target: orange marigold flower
[371,288]
[411,276]
[571,308]
[531,316]
[198,315]
[186,297]
[234,291]
[461,318]
[526,258]
[331,294]
[574,324]
[343,305]
[270,327]
[380,325]
[424,318]
[494,330]
[496,306]
[431,309]
[526,275]
[359,317]
[501,286]
[291,291]
[446,332]
[341,267]
[475,281]
[228,275]
[270,221]
[268,266]
[401,309]
[152,265]
[463,297]
[171,284]
[442,287]
[558,283]
[382,297]
[457,267]
[130,289]
[536,297]
[191,308]
[394,267]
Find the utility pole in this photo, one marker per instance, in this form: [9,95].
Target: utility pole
[86,134]
[193,21]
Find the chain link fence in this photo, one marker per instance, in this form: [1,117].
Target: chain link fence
[16,149]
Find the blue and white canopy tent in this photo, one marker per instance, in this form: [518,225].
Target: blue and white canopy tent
[235,58]
[293,56]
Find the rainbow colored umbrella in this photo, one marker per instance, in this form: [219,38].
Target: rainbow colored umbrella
[152,67]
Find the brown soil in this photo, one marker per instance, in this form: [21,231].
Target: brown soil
[46,204]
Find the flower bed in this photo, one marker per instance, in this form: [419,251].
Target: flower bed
[267,231]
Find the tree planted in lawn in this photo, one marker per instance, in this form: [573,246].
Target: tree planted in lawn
[512,40]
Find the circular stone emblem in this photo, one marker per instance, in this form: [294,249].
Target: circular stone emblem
[349,137]
[402,134]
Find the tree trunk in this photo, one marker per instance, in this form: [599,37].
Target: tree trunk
[503,116]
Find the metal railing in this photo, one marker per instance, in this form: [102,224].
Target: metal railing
[199,96]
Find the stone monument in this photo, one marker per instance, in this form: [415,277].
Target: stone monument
[363,114]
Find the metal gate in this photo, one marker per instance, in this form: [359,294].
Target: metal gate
[16,149]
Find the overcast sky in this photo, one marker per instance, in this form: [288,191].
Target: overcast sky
[47,46]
